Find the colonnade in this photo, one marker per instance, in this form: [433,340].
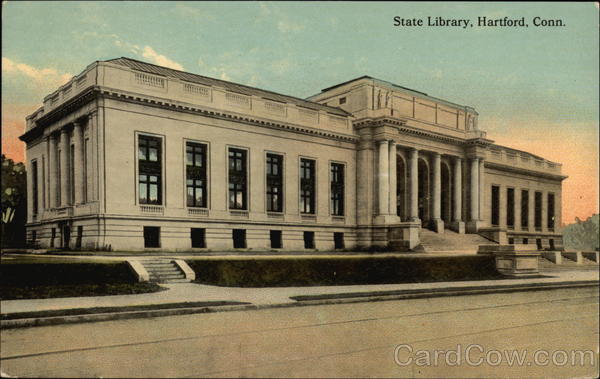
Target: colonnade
[387,184]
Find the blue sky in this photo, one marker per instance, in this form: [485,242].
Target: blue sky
[522,81]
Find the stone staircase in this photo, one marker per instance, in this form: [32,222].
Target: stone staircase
[450,242]
[164,271]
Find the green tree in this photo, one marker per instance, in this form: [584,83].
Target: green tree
[582,235]
[14,203]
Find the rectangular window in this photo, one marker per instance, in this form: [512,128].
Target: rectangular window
[551,211]
[151,236]
[538,243]
[239,238]
[238,180]
[551,241]
[43,182]
[511,241]
[524,209]
[495,205]
[275,236]
[274,171]
[342,100]
[307,186]
[337,189]
[71,184]
[538,211]
[150,170]
[58,177]
[510,208]
[198,236]
[525,241]
[52,237]
[309,240]
[34,186]
[85,169]
[338,240]
[195,171]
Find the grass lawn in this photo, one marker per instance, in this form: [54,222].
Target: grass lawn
[76,290]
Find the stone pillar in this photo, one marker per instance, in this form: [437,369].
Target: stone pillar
[64,168]
[78,160]
[458,225]
[383,177]
[413,164]
[393,196]
[473,224]
[437,222]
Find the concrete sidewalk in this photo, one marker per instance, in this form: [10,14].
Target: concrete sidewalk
[191,292]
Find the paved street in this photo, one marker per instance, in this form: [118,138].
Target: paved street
[349,340]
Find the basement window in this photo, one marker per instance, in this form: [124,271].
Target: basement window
[276,242]
[342,100]
[151,236]
[198,237]
[309,240]
[239,238]
[338,240]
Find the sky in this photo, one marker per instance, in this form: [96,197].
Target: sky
[535,88]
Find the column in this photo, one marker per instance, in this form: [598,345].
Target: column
[474,189]
[393,196]
[64,168]
[383,177]
[52,173]
[78,160]
[458,189]
[482,191]
[413,164]
[438,223]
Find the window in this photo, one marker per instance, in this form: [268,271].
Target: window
[551,241]
[34,186]
[238,192]
[550,211]
[309,240]
[342,100]
[495,205]
[85,169]
[307,186]
[538,211]
[338,240]
[511,241]
[150,170]
[71,184]
[538,242]
[510,208]
[79,237]
[195,174]
[58,177]
[337,189]
[274,183]
[151,236]
[52,237]
[275,236]
[198,236]
[43,182]
[239,238]
[524,209]
[525,241]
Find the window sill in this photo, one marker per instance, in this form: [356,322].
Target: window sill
[240,213]
[152,209]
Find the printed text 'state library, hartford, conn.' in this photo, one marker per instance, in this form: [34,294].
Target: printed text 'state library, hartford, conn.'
[132,156]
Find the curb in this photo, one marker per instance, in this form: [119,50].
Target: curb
[329,299]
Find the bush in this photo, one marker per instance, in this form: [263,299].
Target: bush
[282,272]
[36,274]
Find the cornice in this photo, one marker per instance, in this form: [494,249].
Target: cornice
[103,92]
[524,171]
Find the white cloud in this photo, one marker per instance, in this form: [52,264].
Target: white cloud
[159,59]
[42,76]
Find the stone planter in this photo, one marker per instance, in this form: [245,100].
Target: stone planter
[514,260]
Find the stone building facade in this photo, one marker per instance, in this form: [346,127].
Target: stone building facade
[132,156]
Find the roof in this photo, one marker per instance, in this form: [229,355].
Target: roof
[234,87]
[391,85]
